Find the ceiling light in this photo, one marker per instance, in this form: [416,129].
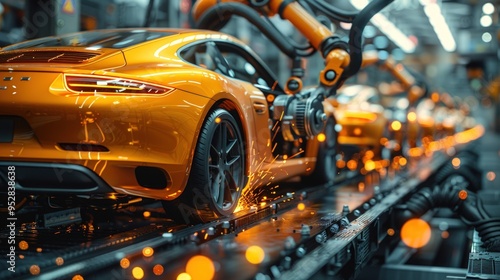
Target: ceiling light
[488,8]
[486,21]
[438,22]
[345,25]
[486,37]
[388,28]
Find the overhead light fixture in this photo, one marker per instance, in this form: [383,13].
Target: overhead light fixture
[388,28]
[486,37]
[486,21]
[438,22]
[488,9]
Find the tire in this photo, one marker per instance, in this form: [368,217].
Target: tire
[217,175]
[326,162]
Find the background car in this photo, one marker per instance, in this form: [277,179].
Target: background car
[361,120]
[188,117]
[400,89]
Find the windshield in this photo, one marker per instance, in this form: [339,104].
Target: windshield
[94,39]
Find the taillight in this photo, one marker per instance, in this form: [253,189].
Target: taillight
[112,86]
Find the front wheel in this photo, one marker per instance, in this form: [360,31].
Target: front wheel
[217,174]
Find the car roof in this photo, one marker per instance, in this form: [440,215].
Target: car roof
[121,38]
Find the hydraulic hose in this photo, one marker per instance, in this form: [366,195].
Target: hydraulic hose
[452,194]
[467,168]
[217,16]
[356,33]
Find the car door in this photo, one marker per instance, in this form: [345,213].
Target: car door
[262,85]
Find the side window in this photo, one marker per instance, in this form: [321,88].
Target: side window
[205,55]
[245,67]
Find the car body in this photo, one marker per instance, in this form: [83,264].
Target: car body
[360,116]
[183,116]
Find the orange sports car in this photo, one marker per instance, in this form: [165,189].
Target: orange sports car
[188,117]
[360,116]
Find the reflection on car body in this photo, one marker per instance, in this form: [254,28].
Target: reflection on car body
[182,116]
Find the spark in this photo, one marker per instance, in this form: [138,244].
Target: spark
[296,154]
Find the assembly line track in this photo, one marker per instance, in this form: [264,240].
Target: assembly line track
[105,252]
[337,238]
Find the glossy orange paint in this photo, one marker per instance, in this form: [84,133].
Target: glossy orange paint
[154,130]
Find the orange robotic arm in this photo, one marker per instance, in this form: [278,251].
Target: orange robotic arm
[342,59]
[396,69]
[321,38]
[399,72]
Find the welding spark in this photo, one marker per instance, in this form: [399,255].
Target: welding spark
[296,154]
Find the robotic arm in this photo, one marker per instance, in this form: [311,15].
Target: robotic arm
[301,111]
[405,78]
[342,59]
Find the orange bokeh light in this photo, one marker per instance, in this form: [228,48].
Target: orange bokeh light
[455,162]
[124,263]
[270,98]
[396,125]
[34,269]
[352,164]
[200,268]
[357,131]
[369,165]
[184,276]
[369,154]
[301,206]
[416,233]
[361,186]
[23,245]
[138,272]
[412,116]
[255,254]
[147,251]
[462,194]
[491,176]
[321,137]
[158,269]
[59,261]
[435,97]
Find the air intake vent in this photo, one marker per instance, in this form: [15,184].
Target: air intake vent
[83,147]
[46,57]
